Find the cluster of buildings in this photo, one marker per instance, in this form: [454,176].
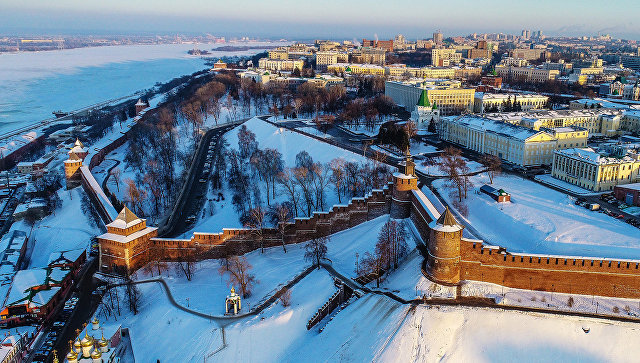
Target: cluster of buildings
[556,139]
[35,294]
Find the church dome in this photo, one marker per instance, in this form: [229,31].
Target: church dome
[87,341]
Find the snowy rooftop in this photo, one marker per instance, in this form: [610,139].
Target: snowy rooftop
[24,280]
[589,155]
[125,219]
[60,256]
[633,186]
[545,114]
[498,127]
[505,96]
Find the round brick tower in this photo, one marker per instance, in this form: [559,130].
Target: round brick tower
[443,263]
[404,181]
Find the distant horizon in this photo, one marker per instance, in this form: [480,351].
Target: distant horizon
[331,19]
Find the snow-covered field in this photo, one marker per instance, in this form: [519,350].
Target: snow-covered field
[288,143]
[451,334]
[542,220]
[69,228]
[33,84]
[272,268]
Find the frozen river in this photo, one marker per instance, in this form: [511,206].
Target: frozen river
[33,84]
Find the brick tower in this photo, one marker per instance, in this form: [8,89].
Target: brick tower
[125,246]
[72,165]
[404,181]
[443,263]
[71,170]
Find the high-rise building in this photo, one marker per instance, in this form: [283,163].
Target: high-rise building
[437,37]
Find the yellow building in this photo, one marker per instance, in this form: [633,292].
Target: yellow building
[280,64]
[527,74]
[596,121]
[432,72]
[326,58]
[631,121]
[589,170]
[496,102]
[447,95]
[569,137]
[515,144]
[279,53]
[356,68]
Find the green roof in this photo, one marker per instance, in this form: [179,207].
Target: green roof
[424,99]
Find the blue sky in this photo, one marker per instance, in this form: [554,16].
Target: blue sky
[328,18]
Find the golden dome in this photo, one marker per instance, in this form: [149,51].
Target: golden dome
[72,355]
[96,354]
[95,321]
[87,341]
[77,344]
[103,342]
[233,290]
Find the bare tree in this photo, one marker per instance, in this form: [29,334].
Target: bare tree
[239,274]
[493,165]
[412,130]
[186,263]
[257,222]
[287,180]
[316,250]
[392,244]
[116,173]
[136,195]
[285,298]
[337,176]
[282,217]
[133,296]
[456,170]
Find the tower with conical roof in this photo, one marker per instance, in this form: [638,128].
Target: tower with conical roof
[125,246]
[404,182]
[425,112]
[445,235]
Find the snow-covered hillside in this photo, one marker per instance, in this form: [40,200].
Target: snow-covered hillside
[288,143]
[542,220]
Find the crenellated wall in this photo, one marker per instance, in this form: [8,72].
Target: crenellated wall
[243,240]
[573,275]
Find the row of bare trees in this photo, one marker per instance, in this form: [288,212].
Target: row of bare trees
[391,247]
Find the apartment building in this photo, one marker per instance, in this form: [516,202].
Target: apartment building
[327,58]
[443,57]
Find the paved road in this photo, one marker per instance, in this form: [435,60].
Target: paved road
[85,307]
[193,193]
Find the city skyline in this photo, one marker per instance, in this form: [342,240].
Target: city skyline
[331,19]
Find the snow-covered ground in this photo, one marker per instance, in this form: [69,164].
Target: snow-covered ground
[288,143]
[272,268]
[34,84]
[430,168]
[548,179]
[542,220]
[452,334]
[69,228]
